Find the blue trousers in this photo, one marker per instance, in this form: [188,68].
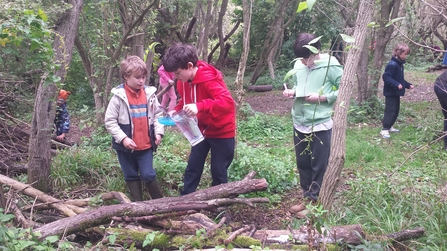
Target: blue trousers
[222,154]
[392,107]
[137,165]
[312,157]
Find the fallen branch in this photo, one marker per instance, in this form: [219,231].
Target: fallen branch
[236,234]
[200,200]
[34,193]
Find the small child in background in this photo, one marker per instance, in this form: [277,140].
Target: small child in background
[130,116]
[393,88]
[62,118]
[167,78]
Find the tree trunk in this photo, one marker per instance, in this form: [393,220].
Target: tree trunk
[362,75]
[338,149]
[221,60]
[247,6]
[39,163]
[203,50]
[389,9]
[273,39]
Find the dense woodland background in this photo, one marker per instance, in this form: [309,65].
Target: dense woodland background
[78,44]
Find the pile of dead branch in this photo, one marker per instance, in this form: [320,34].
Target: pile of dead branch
[174,220]
[13,131]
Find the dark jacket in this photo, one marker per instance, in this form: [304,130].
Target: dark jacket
[392,77]
[441,81]
[62,119]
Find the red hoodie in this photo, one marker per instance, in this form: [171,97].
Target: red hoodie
[216,107]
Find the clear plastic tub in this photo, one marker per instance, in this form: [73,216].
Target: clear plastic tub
[188,126]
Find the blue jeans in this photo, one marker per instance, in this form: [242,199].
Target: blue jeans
[222,154]
[312,157]
[137,165]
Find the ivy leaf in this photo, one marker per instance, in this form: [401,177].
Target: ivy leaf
[34,44]
[315,40]
[373,25]
[311,48]
[52,239]
[393,21]
[301,6]
[42,15]
[310,4]
[347,39]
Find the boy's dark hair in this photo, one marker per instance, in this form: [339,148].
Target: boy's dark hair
[304,39]
[178,56]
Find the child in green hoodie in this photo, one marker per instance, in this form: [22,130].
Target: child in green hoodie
[315,92]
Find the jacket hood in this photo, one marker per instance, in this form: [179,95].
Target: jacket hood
[205,73]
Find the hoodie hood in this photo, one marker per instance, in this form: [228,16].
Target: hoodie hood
[205,73]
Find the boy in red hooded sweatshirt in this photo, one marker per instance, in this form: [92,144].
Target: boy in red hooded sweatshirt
[203,93]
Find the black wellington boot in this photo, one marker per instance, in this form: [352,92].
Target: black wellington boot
[154,189]
[135,191]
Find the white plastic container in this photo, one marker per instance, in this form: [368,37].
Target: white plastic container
[188,126]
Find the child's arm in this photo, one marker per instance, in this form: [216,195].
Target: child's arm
[111,120]
[220,101]
[163,74]
[388,76]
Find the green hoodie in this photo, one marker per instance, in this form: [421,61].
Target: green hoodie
[324,79]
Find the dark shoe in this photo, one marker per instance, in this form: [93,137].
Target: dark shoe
[154,189]
[135,191]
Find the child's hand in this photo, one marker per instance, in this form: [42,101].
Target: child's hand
[288,93]
[158,139]
[411,86]
[129,143]
[61,137]
[191,109]
[399,87]
[315,98]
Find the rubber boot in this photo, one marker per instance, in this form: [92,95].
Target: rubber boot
[154,189]
[135,191]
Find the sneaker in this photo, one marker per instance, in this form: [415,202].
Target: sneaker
[385,134]
[394,130]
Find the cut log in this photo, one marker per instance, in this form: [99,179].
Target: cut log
[260,88]
[437,68]
[351,234]
[200,200]
[407,234]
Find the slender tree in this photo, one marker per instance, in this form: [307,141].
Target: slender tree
[39,163]
[338,148]
[247,6]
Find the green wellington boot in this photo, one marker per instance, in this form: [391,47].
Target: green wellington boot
[154,189]
[135,191]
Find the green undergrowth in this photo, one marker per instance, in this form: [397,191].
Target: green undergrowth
[387,185]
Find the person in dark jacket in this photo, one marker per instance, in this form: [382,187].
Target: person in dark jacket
[441,93]
[62,118]
[393,88]
[203,93]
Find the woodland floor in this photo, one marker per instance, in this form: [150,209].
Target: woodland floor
[272,102]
